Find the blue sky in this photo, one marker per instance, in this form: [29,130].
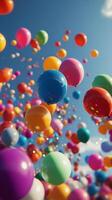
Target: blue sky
[55,16]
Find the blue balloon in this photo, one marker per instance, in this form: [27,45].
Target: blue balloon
[10,136]
[76,94]
[52,86]
[22,141]
[92,189]
[106,147]
[100,176]
[66,99]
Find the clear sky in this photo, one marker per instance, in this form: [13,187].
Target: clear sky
[55,16]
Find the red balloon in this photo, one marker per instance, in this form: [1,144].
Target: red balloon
[4,125]
[75,139]
[80,39]
[6,6]
[5,75]
[8,114]
[98,102]
[22,88]
[33,153]
[34,44]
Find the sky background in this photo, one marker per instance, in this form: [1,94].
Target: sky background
[93,17]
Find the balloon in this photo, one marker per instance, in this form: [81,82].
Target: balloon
[2,41]
[49,132]
[98,102]
[82,125]
[73,71]
[23,38]
[47,187]
[36,192]
[10,136]
[5,125]
[50,107]
[56,125]
[9,114]
[92,189]
[34,44]
[83,135]
[60,192]
[94,53]
[66,100]
[102,129]
[95,161]
[38,118]
[5,75]
[22,88]
[78,194]
[52,86]
[55,164]
[100,176]
[33,153]
[22,141]
[80,39]
[75,139]
[16,174]
[62,53]
[76,94]
[108,161]
[51,63]
[6,7]
[42,37]
[106,147]
[65,38]
[103,81]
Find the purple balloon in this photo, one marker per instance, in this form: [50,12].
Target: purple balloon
[79,194]
[16,174]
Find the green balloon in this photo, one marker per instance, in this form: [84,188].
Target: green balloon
[103,81]
[56,168]
[83,135]
[42,37]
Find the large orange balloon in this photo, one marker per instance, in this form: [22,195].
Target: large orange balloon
[60,192]
[6,7]
[5,75]
[50,107]
[38,118]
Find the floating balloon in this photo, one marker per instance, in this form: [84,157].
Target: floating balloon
[80,39]
[76,94]
[52,86]
[62,53]
[9,114]
[92,189]
[22,141]
[6,7]
[55,164]
[16,174]
[57,125]
[73,71]
[102,129]
[95,161]
[50,107]
[22,88]
[38,118]
[51,63]
[36,192]
[98,102]
[103,81]
[42,37]
[33,153]
[94,53]
[23,38]
[100,176]
[5,75]
[79,194]
[82,125]
[83,135]
[2,41]
[10,136]
[106,147]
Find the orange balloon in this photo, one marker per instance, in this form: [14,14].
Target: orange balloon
[102,129]
[108,124]
[60,192]
[5,75]
[6,7]
[40,140]
[49,132]
[50,107]
[108,161]
[38,118]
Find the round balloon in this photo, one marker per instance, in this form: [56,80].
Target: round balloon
[23,38]
[51,63]
[94,53]
[38,118]
[80,39]
[79,194]
[83,135]
[5,75]
[98,102]
[50,107]
[9,114]
[10,136]
[2,42]
[16,174]
[36,192]
[56,168]
[73,71]
[76,94]
[103,81]
[62,53]
[6,7]
[42,37]
[95,161]
[52,86]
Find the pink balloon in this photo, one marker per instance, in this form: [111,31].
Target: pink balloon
[105,190]
[57,125]
[23,38]
[95,161]
[79,194]
[73,71]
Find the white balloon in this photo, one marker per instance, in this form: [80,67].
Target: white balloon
[36,192]
[82,125]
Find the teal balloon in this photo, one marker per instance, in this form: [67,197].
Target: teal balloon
[56,168]
[83,135]
[42,37]
[103,81]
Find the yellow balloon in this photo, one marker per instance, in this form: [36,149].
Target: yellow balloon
[51,63]
[50,107]
[49,132]
[38,118]
[14,43]
[62,53]
[2,42]
[94,53]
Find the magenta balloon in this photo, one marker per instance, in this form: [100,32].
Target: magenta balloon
[23,38]
[95,161]
[73,71]
[79,194]
[16,174]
